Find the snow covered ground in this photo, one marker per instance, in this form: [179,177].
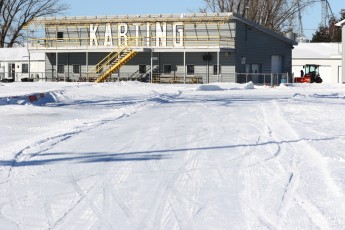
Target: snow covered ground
[140,156]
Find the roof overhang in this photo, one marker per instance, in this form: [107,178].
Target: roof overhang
[341,23]
[149,18]
[194,18]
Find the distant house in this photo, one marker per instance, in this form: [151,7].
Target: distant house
[327,55]
[171,48]
[16,63]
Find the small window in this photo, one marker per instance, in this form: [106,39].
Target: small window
[142,68]
[76,68]
[167,69]
[61,69]
[59,36]
[190,69]
[25,68]
[215,70]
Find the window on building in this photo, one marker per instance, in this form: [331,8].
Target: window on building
[76,68]
[59,36]
[25,68]
[61,69]
[167,69]
[256,68]
[215,70]
[142,68]
[190,69]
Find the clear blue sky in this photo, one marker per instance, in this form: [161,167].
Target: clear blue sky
[311,16]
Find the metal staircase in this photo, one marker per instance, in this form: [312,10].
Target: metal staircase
[111,63]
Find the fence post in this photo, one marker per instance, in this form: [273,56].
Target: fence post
[271,79]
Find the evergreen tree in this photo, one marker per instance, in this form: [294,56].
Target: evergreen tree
[330,33]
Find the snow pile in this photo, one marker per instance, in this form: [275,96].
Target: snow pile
[209,88]
[249,85]
[225,86]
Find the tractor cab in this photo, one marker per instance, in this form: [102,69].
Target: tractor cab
[309,75]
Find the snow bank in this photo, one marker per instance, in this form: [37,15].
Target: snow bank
[33,99]
[209,88]
[225,86]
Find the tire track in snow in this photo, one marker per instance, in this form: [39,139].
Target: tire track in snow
[108,187]
[48,143]
[312,156]
[290,197]
[168,208]
[289,189]
[87,199]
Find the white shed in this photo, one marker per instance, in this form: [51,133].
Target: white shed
[327,55]
[14,64]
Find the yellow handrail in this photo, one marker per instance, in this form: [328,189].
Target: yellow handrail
[117,65]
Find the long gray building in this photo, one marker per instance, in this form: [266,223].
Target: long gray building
[186,48]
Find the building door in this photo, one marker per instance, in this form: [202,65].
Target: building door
[11,71]
[276,64]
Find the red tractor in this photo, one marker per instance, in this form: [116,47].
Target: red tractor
[309,75]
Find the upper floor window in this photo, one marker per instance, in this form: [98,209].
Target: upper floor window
[59,36]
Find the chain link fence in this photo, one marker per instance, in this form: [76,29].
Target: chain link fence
[270,79]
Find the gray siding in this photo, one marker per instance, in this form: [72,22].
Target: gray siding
[176,60]
[258,47]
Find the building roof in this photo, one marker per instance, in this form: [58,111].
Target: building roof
[263,29]
[341,23]
[317,51]
[152,18]
[19,54]
[186,18]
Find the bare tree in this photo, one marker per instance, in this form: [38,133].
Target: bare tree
[15,14]
[273,14]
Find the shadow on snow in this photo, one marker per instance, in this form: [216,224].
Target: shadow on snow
[94,157]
